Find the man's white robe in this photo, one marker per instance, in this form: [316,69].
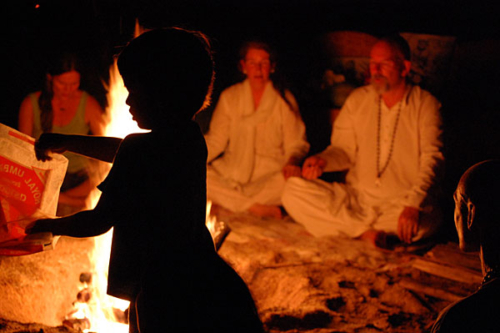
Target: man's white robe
[248,147]
[361,204]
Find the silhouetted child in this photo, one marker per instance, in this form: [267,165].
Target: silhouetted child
[162,257]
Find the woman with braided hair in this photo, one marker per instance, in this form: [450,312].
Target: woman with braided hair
[62,107]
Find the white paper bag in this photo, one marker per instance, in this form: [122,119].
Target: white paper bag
[29,189]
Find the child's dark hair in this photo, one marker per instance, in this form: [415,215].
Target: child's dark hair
[174,67]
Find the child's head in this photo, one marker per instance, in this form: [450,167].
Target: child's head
[169,74]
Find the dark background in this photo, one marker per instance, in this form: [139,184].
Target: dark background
[97,29]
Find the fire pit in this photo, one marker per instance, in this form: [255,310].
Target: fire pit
[333,284]
[41,288]
[300,283]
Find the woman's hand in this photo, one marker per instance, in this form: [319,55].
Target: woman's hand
[291,170]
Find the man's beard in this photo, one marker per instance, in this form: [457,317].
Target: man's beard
[381,86]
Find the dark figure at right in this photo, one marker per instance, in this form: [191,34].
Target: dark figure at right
[477,219]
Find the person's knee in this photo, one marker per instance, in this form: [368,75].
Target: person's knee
[293,186]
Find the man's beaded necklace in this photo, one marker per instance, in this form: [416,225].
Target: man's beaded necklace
[379,125]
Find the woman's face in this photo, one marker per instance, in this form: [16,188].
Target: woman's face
[257,66]
[65,84]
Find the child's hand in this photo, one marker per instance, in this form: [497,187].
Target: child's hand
[42,225]
[49,142]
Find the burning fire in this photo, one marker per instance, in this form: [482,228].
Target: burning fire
[218,229]
[210,219]
[94,310]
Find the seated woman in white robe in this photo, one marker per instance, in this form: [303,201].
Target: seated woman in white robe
[256,139]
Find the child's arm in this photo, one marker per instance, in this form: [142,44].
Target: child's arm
[98,147]
[83,224]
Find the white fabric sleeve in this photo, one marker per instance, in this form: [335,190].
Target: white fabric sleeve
[294,131]
[217,137]
[431,157]
[341,153]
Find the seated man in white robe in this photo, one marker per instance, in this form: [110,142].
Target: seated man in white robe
[256,139]
[388,137]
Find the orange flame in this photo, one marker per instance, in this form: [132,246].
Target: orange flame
[101,308]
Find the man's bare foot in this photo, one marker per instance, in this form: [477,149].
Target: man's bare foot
[381,239]
[266,211]
[375,237]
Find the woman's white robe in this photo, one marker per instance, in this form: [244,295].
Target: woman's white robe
[248,147]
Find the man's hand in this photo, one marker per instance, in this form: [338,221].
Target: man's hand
[408,224]
[291,170]
[49,142]
[313,167]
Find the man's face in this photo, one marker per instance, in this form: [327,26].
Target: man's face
[462,216]
[387,68]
